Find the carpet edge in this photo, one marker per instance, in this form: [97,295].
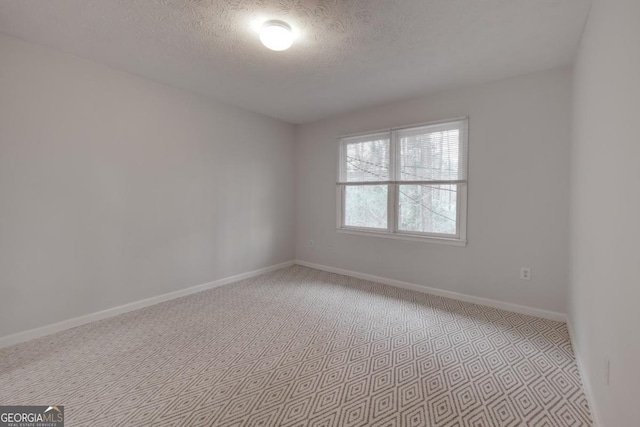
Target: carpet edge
[501,305]
[42,331]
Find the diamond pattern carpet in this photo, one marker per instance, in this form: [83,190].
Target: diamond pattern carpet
[301,347]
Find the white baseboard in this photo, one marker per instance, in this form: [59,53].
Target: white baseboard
[502,305]
[586,384]
[114,311]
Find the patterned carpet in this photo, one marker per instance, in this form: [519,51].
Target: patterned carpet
[301,347]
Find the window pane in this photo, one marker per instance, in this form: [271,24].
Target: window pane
[367,160]
[365,206]
[428,208]
[427,155]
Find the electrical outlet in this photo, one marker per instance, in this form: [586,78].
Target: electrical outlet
[311,243]
[525,273]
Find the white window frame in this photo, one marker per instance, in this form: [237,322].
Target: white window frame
[393,204]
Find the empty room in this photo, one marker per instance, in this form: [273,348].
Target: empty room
[319,213]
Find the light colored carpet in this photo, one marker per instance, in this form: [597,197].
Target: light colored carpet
[301,347]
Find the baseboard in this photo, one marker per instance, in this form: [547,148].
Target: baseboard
[586,384]
[114,311]
[502,305]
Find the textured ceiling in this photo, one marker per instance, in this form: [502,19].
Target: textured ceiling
[347,54]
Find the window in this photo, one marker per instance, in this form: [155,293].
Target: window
[406,183]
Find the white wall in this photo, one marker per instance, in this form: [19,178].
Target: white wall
[518,193]
[604,292]
[114,188]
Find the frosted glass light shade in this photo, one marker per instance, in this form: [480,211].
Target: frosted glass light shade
[276,35]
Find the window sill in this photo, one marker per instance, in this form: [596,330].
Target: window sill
[408,237]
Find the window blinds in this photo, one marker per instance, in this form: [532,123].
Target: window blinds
[429,154]
[434,153]
[366,158]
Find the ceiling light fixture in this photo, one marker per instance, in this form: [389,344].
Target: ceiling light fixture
[276,35]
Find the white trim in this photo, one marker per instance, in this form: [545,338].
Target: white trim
[415,125]
[360,183]
[502,305]
[114,311]
[401,236]
[586,384]
[394,182]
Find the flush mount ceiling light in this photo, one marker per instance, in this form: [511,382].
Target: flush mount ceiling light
[276,35]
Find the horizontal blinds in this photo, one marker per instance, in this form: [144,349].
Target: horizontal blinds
[366,158]
[435,153]
[431,154]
